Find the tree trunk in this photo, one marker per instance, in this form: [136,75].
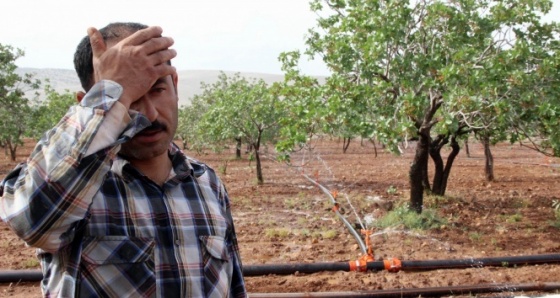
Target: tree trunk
[489,164]
[374,146]
[419,164]
[238,148]
[416,174]
[467,148]
[345,144]
[435,153]
[13,148]
[438,171]
[450,159]
[442,171]
[256,147]
[426,179]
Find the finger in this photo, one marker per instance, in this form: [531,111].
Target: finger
[162,57]
[157,44]
[141,36]
[164,69]
[98,46]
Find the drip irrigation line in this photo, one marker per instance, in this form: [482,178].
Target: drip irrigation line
[508,261]
[424,292]
[350,228]
[396,265]
[7,276]
[390,265]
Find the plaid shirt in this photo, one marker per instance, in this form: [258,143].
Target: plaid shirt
[103,229]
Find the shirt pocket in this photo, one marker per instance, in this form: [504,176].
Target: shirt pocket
[117,266]
[217,266]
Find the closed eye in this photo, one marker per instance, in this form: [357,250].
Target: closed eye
[157,89]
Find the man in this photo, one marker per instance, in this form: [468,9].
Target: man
[114,206]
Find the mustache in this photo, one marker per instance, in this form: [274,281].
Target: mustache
[156,125]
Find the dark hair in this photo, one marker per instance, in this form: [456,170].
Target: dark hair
[83,57]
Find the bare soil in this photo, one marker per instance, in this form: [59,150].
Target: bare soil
[288,220]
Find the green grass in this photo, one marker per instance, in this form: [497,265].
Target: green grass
[475,236]
[434,201]
[513,218]
[277,233]
[402,217]
[329,234]
[391,190]
[5,244]
[556,208]
[556,222]
[31,263]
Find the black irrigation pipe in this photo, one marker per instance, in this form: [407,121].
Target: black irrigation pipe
[7,276]
[36,275]
[283,269]
[390,265]
[424,292]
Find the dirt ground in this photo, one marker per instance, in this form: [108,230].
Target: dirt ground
[288,220]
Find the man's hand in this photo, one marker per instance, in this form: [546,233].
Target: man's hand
[135,62]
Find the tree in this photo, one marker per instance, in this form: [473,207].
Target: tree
[304,106]
[191,126]
[189,119]
[15,113]
[428,70]
[239,109]
[48,112]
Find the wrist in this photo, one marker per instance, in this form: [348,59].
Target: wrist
[102,95]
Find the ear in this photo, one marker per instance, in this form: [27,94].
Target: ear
[175,78]
[79,96]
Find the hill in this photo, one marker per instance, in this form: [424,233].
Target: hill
[63,80]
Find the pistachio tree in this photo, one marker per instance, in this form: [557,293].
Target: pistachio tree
[241,109]
[189,119]
[15,113]
[47,112]
[430,71]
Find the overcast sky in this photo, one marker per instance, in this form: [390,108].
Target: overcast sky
[229,35]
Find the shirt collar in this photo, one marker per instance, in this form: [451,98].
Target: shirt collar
[182,165]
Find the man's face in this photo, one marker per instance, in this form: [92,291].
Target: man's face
[160,105]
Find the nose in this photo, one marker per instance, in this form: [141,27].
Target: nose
[146,107]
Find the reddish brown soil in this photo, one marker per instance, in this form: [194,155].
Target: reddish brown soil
[288,220]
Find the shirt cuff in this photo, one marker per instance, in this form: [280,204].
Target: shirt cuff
[102,95]
[114,123]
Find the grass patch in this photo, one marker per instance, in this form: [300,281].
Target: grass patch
[277,233]
[475,236]
[556,223]
[324,234]
[392,190]
[402,217]
[329,234]
[513,218]
[302,221]
[297,203]
[434,201]
[290,203]
[5,244]
[556,208]
[304,232]
[30,263]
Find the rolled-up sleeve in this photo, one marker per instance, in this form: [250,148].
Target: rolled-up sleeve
[45,197]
